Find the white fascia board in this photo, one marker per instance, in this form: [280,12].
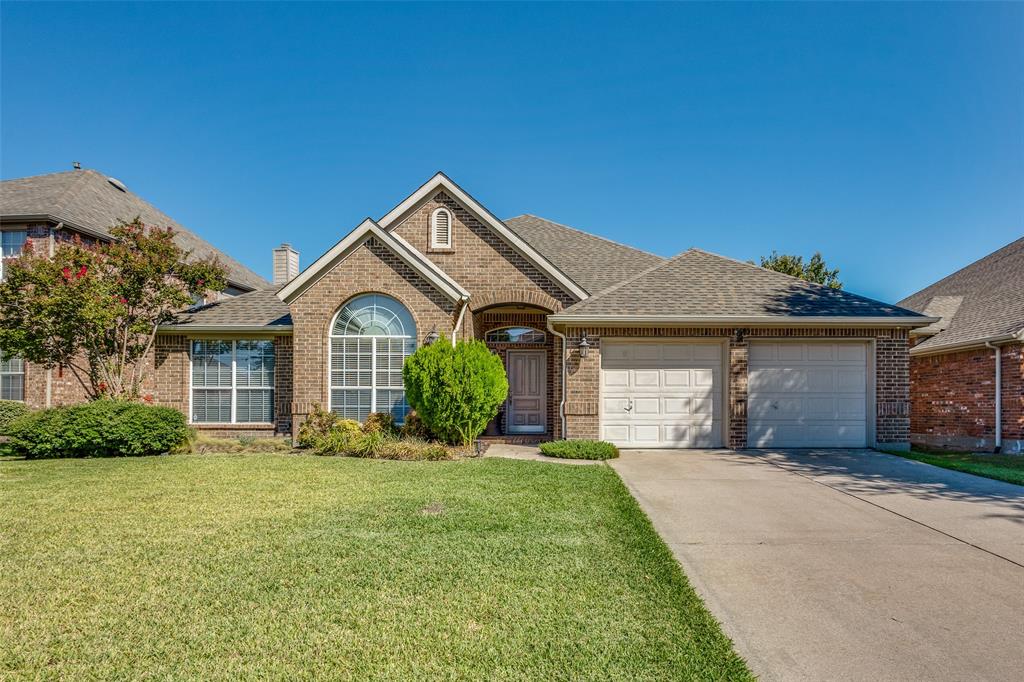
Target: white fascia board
[757,320]
[440,180]
[366,229]
[967,345]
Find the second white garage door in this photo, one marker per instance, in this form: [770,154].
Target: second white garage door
[804,395]
[661,394]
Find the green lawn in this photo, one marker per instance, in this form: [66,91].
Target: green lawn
[1009,468]
[299,567]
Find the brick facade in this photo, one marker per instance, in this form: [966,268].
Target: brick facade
[953,399]
[892,382]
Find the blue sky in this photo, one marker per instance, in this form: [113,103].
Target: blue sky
[890,137]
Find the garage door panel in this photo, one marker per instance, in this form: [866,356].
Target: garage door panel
[807,395]
[672,389]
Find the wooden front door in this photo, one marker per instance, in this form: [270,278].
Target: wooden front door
[527,392]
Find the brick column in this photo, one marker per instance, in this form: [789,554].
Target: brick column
[738,360]
[892,391]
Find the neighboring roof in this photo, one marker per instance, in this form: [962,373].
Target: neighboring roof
[697,286]
[366,230]
[253,310]
[991,306]
[87,201]
[440,181]
[593,262]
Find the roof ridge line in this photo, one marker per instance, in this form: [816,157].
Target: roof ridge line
[967,267]
[589,234]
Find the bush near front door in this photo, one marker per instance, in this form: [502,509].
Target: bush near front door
[456,389]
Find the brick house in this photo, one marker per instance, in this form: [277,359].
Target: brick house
[967,369]
[600,340]
[45,210]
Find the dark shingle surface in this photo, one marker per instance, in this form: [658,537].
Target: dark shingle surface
[592,262]
[697,283]
[992,291]
[256,308]
[86,198]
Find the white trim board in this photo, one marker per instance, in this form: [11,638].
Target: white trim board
[367,229]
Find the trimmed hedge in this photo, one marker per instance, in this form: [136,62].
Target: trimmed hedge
[579,449]
[9,411]
[102,428]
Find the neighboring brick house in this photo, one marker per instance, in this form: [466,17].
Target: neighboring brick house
[45,210]
[695,351]
[957,402]
[600,340]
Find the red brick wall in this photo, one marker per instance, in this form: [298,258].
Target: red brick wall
[892,420]
[953,399]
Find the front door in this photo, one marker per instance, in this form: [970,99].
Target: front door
[527,392]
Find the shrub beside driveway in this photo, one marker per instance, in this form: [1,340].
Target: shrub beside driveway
[285,566]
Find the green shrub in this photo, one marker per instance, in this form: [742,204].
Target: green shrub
[315,428]
[380,422]
[102,428]
[9,411]
[456,389]
[413,427]
[579,449]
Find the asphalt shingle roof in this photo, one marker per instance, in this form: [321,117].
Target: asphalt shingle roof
[697,283]
[592,262]
[991,293]
[260,308]
[86,198]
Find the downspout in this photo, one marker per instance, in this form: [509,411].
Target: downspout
[51,244]
[458,322]
[565,351]
[999,395]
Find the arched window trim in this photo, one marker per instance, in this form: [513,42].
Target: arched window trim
[365,369]
[536,336]
[436,242]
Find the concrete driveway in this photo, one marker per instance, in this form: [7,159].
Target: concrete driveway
[851,565]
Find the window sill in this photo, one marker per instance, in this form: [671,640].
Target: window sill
[233,425]
[440,249]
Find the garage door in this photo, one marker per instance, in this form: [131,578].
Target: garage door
[661,395]
[803,395]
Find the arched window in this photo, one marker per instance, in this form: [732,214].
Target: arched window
[371,337]
[441,229]
[516,335]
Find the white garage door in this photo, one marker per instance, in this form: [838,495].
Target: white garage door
[661,395]
[803,395]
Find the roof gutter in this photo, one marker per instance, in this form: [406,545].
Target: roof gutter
[967,345]
[752,320]
[565,371]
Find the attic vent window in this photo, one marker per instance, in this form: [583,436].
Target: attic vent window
[118,184]
[441,229]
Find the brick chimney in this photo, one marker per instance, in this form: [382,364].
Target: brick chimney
[286,264]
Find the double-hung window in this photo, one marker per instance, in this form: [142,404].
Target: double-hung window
[12,242]
[232,381]
[12,378]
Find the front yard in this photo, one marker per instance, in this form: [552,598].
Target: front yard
[298,567]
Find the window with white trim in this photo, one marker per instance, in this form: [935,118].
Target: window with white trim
[441,229]
[516,335]
[12,243]
[232,381]
[12,378]
[370,339]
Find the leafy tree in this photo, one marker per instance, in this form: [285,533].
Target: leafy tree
[96,308]
[814,270]
[456,389]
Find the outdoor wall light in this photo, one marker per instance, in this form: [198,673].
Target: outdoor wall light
[584,345]
[431,337]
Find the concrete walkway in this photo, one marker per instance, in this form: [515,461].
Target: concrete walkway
[529,452]
[845,565]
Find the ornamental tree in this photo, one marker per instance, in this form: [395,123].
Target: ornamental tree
[95,308]
[456,389]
